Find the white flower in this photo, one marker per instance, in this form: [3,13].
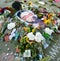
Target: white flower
[48,31]
[41,2]
[30,36]
[10,26]
[39,37]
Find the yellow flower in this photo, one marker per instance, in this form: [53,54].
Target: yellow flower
[26,46]
[33,30]
[27,39]
[47,21]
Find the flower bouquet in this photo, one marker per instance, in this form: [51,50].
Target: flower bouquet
[31,44]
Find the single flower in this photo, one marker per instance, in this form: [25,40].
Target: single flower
[10,26]
[48,31]
[47,21]
[30,36]
[39,37]
[41,2]
[33,30]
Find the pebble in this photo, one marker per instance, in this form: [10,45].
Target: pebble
[6,45]
[8,49]
[11,53]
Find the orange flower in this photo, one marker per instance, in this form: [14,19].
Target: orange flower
[50,15]
[25,29]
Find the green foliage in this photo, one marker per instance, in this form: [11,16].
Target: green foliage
[46,58]
[1,34]
[51,1]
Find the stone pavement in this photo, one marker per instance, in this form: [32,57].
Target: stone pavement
[54,50]
[6,57]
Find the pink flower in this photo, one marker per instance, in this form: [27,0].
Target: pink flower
[57,0]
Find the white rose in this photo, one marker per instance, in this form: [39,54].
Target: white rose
[39,37]
[30,36]
[48,31]
[10,26]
